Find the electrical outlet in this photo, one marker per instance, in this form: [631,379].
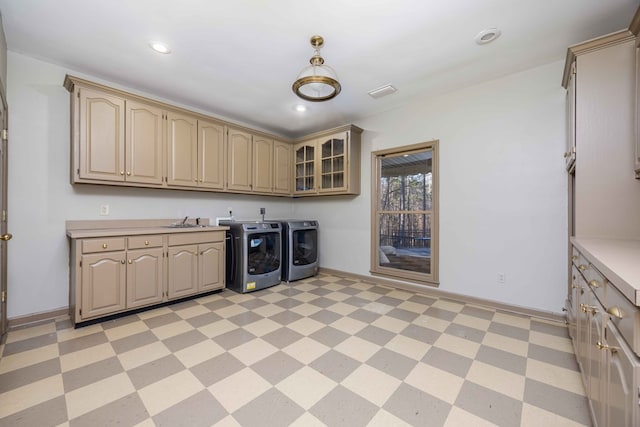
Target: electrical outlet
[262,211]
[104,210]
[501,278]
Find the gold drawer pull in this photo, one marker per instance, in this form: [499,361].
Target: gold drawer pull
[121,172]
[606,347]
[616,312]
[582,267]
[594,284]
[585,308]
[104,246]
[129,261]
[146,242]
[574,257]
[128,173]
[121,261]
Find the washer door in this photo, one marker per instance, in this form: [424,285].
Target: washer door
[263,252]
[304,246]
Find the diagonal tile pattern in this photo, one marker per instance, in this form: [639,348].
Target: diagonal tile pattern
[322,351]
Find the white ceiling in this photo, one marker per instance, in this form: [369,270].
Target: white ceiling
[237,59]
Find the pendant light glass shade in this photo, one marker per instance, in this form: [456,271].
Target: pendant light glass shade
[317,82]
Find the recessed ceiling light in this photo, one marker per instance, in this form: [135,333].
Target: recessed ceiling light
[488,35]
[300,108]
[382,91]
[160,47]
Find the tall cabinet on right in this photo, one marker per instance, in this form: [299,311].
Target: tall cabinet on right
[603,304]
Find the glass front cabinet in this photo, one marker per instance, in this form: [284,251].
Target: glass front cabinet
[329,163]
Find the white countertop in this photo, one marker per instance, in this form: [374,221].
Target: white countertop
[111,228]
[618,260]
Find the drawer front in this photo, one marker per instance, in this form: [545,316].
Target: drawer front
[596,281]
[141,242]
[575,256]
[102,245]
[625,316]
[195,238]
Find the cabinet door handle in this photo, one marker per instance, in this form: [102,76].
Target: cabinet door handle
[574,257]
[146,242]
[594,284]
[606,347]
[121,172]
[129,261]
[616,312]
[104,246]
[128,173]
[121,261]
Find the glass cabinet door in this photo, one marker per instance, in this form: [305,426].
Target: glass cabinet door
[305,167]
[333,158]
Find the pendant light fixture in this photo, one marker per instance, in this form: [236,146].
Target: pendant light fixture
[317,82]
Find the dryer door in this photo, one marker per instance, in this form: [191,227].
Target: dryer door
[304,246]
[263,252]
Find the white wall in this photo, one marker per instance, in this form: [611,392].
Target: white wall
[503,203]
[41,198]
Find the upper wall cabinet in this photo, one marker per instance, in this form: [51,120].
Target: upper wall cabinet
[282,167]
[239,157]
[329,163]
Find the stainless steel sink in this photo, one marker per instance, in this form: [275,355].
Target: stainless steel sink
[188,226]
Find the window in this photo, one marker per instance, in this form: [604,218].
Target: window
[405,213]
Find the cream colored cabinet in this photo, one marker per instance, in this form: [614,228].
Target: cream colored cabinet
[262,154]
[239,160]
[570,152]
[282,167]
[621,372]
[211,154]
[115,139]
[103,289]
[145,270]
[182,150]
[329,163]
[195,263]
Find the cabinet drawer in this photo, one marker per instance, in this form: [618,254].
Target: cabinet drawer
[596,281]
[141,242]
[625,316]
[575,256]
[195,238]
[102,245]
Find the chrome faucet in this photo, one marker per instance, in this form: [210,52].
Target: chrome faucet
[184,221]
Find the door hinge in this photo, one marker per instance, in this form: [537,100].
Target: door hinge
[80,312]
[5,134]
[3,297]
[80,264]
[4,215]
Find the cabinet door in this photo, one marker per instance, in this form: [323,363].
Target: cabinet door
[570,153]
[304,168]
[143,143]
[101,129]
[262,165]
[144,277]
[595,356]
[211,266]
[333,162]
[622,368]
[183,271]
[210,155]
[239,160]
[583,334]
[103,284]
[182,149]
[281,167]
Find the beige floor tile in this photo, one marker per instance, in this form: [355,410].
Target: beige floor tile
[86,357]
[146,423]
[408,347]
[305,309]
[459,417]
[307,420]
[370,296]
[512,320]
[306,350]
[97,394]
[30,332]
[305,296]
[239,298]
[472,322]
[552,341]
[238,389]
[227,421]
[385,419]
[390,324]
[29,395]
[70,334]
[194,311]
[511,345]
[272,298]
[448,305]
[28,358]
[262,327]
[198,353]
[172,329]
[305,326]
[209,298]
[497,379]
[167,392]
[372,384]
[253,351]
[348,325]
[379,308]
[554,375]
[435,382]
[333,287]
[230,311]
[268,310]
[342,308]
[357,348]
[302,286]
[457,345]
[413,307]
[217,328]
[65,424]
[337,296]
[306,387]
[533,416]
[154,313]
[399,294]
[126,330]
[431,323]
[142,355]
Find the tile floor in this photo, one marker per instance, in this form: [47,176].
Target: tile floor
[321,351]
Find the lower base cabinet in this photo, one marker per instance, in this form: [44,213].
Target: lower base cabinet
[610,368]
[115,274]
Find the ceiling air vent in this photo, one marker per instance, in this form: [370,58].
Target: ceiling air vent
[382,91]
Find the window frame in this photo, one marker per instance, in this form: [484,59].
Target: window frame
[431,279]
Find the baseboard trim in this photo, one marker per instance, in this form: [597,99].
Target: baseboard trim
[30,319]
[428,290]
